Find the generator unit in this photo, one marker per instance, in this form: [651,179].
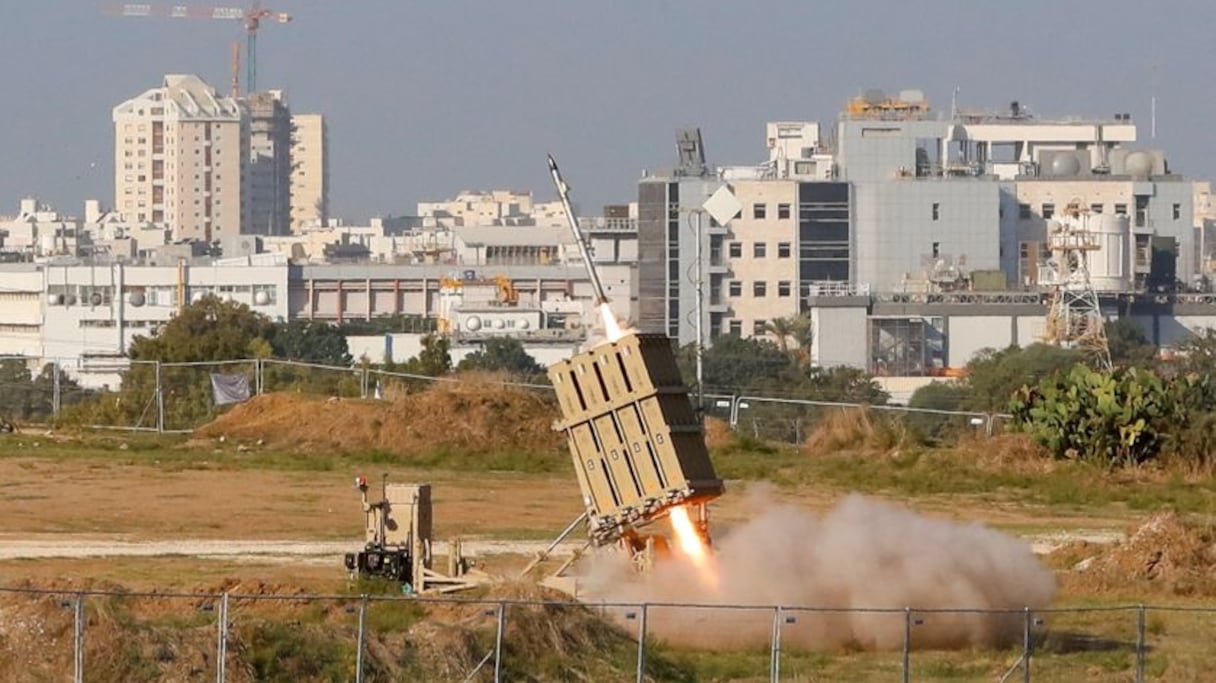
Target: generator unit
[636,441]
[393,550]
[397,542]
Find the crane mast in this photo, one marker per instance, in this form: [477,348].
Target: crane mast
[252,18]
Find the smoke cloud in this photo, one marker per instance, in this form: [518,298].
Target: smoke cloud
[863,554]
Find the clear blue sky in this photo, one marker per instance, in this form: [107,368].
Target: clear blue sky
[428,97]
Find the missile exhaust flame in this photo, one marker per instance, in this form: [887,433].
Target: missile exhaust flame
[612,328]
[691,544]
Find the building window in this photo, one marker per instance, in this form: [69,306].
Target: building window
[783,211]
[1177,211]
[1023,211]
[735,249]
[759,211]
[937,210]
[735,328]
[783,288]
[783,250]
[1120,209]
[759,328]
[1095,208]
[759,289]
[1048,211]
[735,288]
[759,250]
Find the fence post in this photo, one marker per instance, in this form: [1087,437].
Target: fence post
[990,429]
[642,644]
[775,653]
[502,617]
[78,640]
[56,398]
[221,646]
[734,412]
[258,364]
[1026,648]
[361,638]
[1141,645]
[160,402]
[907,663]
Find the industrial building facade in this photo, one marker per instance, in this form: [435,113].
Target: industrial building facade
[908,211]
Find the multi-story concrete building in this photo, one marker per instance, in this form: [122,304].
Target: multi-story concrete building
[309,191]
[38,232]
[179,154]
[908,206]
[268,175]
[87,314]
[491,208]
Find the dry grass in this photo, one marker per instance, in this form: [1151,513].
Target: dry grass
[1013,452]
[857,430]
[718,433]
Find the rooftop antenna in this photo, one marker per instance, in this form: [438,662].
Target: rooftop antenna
[954,104]
[1153,106]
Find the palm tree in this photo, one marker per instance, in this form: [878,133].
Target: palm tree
[782,329]
[804,333]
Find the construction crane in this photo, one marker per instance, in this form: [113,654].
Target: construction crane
[252,18]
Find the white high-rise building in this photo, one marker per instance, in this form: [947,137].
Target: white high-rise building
[309,171]
[179,152]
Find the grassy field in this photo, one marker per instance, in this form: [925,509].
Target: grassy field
[146,487]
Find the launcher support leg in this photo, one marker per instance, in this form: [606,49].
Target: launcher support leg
[703,524]
[543,555]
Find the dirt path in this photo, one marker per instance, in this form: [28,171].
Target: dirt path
[330,551]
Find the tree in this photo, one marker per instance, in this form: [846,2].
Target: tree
[1197,353]
[311,342]
[1129,347]
[782,329]
[433,360]
[938,396]
[733,364]
[209,330]
[502,354]
[32,397]
[803,332]
[994,376]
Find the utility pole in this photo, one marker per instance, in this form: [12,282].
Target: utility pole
[700,289]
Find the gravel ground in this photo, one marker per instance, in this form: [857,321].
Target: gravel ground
[328,551]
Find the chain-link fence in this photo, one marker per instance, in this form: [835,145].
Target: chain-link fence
[188,394]
[132,636]
[179,397]
[799,421]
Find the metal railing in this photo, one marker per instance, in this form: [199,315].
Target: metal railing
[1051,642]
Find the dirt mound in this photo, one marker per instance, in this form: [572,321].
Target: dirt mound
[1166,553]
[472,415]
